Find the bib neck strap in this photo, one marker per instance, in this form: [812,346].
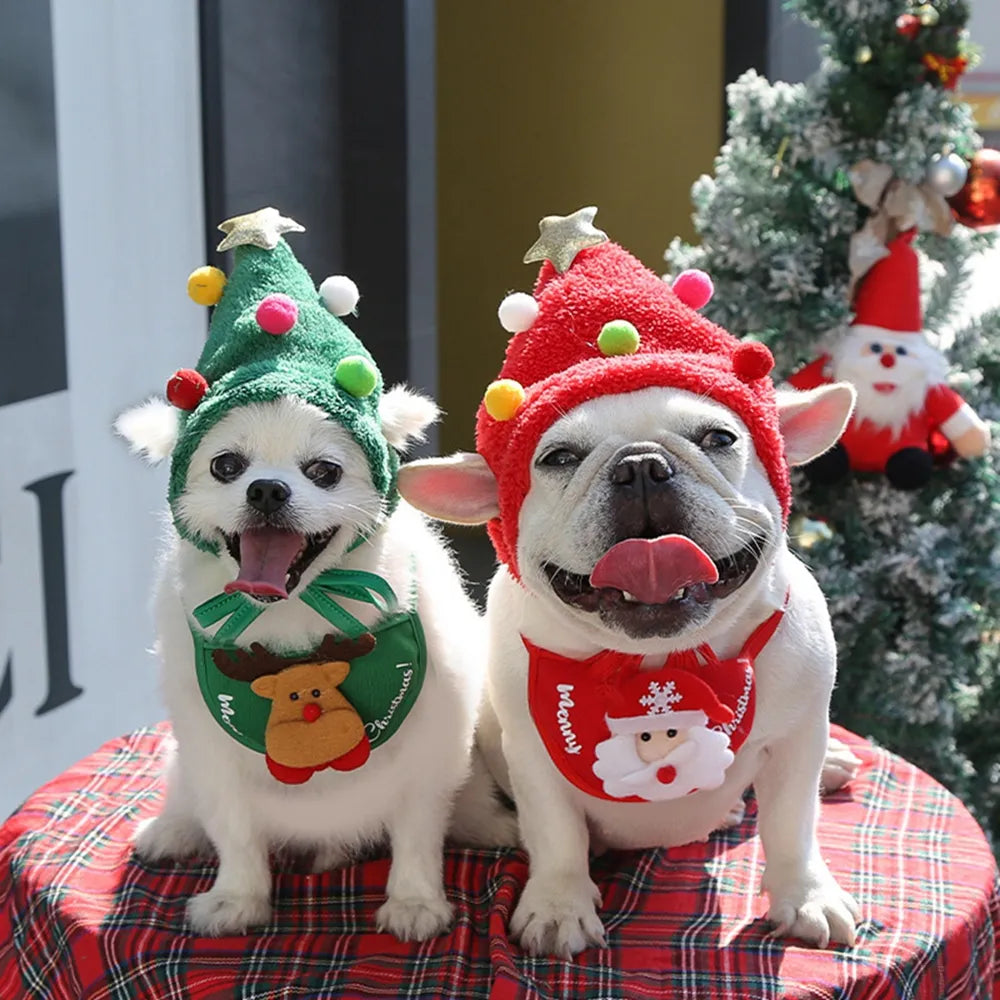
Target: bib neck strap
[240,610]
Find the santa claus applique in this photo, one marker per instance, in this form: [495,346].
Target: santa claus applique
[906,416]
[667,738]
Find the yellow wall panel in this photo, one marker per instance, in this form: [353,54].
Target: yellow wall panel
[545,106]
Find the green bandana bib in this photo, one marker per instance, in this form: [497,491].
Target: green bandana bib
[382,685]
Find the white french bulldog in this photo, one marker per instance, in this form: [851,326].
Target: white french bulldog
[219,794]
[650,527]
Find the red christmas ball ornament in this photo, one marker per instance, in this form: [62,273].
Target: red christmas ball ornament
[752,361]
[277,314]
[908,25]
[186,388]
[977,205]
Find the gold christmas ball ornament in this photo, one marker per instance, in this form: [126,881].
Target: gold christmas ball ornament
[863,55]
[928,15]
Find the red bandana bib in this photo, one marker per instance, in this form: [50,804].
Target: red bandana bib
[625,734]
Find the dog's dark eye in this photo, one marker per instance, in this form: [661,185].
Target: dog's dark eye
[671,733]
[326,475]
[228,466]
[645,737]
[717,439]
[294,696]
[559,458]
[316,692]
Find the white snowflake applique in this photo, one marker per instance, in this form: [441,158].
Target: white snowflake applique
[661,697]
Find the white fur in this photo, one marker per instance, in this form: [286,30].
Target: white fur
[783,756]
[150,429]
[405,415]
[219,791]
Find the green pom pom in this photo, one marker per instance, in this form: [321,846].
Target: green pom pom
[618,337]
[356,375]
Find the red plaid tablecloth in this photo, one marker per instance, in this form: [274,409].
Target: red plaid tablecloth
[82,919]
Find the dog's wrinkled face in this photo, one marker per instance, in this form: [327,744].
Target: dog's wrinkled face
[646,465]
[649,513]
[285,488]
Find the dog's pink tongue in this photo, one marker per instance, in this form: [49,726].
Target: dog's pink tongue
[265,557]
[652,570]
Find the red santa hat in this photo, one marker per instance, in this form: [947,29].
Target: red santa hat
[889,295]
[599,324]
[673,699]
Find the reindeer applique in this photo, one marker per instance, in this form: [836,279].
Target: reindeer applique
[311,725]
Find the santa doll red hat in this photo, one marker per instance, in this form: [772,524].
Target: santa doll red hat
[906,416]
[676,699]
[599,323]
[667,737]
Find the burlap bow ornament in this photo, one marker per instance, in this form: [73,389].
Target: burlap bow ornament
[896,206]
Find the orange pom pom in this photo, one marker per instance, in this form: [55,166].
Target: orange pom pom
[503,398]
[206,285]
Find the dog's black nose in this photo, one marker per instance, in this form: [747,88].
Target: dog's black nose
[647,470]
[268,495]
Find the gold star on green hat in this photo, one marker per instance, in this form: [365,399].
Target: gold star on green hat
[262,228]
[563,237]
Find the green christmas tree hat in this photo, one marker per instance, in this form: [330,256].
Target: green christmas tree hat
[274,334]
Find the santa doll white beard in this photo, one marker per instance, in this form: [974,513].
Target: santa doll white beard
[913,374]
[700,761]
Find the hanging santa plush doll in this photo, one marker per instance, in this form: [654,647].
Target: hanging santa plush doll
[906,415]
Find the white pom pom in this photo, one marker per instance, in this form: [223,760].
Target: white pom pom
[517,312]
[339,294]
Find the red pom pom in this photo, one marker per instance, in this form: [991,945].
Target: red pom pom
[186,388]
[277,314]
[752,361]
[693,287]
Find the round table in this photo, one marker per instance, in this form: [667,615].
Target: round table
[82,919]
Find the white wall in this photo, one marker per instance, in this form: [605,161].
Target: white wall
[129,151]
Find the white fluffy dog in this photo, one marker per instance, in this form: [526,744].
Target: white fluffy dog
[717,494]
[218,791]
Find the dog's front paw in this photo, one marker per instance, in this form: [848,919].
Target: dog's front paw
[218,912]
[839,766]
[170,836]
[558,916]
[811,907]
[414,919]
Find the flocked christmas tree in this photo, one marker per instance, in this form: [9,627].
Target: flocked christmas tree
[813,184]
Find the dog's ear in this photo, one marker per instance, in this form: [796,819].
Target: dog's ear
[405,415]
[150,429]
[811,422]
[459,489]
